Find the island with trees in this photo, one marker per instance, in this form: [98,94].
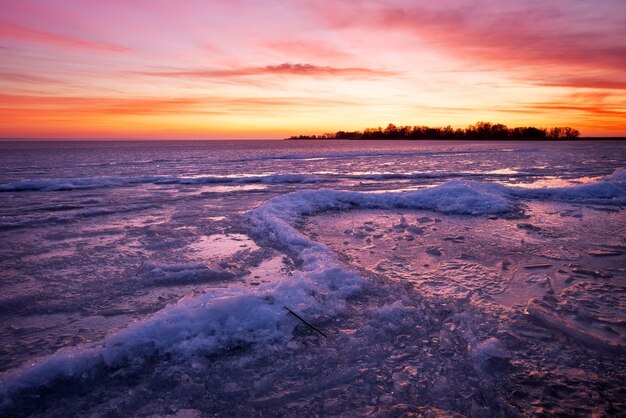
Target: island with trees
[477,131]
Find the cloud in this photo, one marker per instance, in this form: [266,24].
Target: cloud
[589,110]
[280,69]
[608,83]
[54,106]
[596,111]
[14,77]
[15,32]
[41,105]
[590,104]
[508,36]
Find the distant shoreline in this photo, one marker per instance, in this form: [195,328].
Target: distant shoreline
[479,131]
[113,140]
[582,138]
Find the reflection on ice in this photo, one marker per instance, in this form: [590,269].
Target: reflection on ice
[233,188]
[552,181]
[220,246]
[502,171]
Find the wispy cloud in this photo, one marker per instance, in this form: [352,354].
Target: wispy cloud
[503,36]
[589,103]
[603,83]
[11,104]
[16,32]
[289,69]
[14,77]
[82,106]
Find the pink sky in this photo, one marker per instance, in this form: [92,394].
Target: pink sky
[268,69]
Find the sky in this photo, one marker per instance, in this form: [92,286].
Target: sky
[273,68]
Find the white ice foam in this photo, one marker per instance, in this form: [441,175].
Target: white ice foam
[99,182]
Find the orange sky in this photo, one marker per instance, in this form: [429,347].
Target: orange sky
[269,69]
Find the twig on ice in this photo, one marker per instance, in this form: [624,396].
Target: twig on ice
[305,322]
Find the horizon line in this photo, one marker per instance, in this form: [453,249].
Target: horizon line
[109,139]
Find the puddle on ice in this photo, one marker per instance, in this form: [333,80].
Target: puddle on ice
[233,188]
[550,181]
[221,246]
[266,270]
[502,171]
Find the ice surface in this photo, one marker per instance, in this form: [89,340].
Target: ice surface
[138,288]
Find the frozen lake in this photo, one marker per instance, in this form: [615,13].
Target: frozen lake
[159,278]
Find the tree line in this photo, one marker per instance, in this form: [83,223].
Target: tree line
[478,131]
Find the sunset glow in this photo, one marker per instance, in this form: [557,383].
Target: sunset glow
[270,69]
